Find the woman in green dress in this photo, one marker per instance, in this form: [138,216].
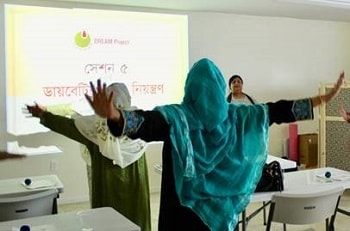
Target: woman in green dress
[119,174]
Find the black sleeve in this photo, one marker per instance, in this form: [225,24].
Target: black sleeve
[147,125]
[288,111]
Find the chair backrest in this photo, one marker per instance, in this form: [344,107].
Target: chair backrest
[28,204]
[306,206]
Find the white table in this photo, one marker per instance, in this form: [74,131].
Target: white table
[286,164]
[307,180]
[15,185]
[106,219]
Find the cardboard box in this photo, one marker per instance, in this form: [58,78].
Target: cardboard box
[308,149]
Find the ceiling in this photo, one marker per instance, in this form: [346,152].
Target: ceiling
[278,8]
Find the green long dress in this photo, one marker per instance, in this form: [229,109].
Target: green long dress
[126,190]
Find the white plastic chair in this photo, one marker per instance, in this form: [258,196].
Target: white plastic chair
[307,206]
[28,204]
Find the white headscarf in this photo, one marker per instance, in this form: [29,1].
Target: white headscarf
[123,151]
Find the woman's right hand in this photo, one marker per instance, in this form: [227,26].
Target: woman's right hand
[102,103]
[36,110]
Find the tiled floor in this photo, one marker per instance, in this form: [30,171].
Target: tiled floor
[342,222]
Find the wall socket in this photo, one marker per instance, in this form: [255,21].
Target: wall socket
[53,167]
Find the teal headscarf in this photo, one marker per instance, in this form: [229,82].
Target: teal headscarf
[218,149]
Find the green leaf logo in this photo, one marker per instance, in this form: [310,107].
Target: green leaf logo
[82,39]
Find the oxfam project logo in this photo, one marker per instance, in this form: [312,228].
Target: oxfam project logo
[82,39]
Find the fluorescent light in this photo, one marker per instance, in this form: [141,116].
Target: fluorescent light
[331,3]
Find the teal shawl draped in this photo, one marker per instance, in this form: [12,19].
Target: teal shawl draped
[218,149]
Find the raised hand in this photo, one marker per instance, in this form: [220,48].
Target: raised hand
[35,110]
[101,102]
[335,91]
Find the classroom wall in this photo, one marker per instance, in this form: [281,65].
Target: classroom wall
[277,58]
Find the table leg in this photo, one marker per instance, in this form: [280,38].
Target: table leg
[264,212]
[244,220]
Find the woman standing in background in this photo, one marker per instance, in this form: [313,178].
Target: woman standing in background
[236,95]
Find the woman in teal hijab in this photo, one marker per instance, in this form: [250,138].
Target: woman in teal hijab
[213,151]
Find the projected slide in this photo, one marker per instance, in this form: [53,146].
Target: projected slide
[53,53]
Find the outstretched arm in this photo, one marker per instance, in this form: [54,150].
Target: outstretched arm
[36,110]
[60,124]
[147,125]
[288,111]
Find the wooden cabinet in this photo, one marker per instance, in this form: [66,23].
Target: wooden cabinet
[308,150]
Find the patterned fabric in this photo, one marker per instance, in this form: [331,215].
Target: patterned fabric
[302,109]
[133,122]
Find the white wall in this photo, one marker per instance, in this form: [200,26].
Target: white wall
[277,57]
